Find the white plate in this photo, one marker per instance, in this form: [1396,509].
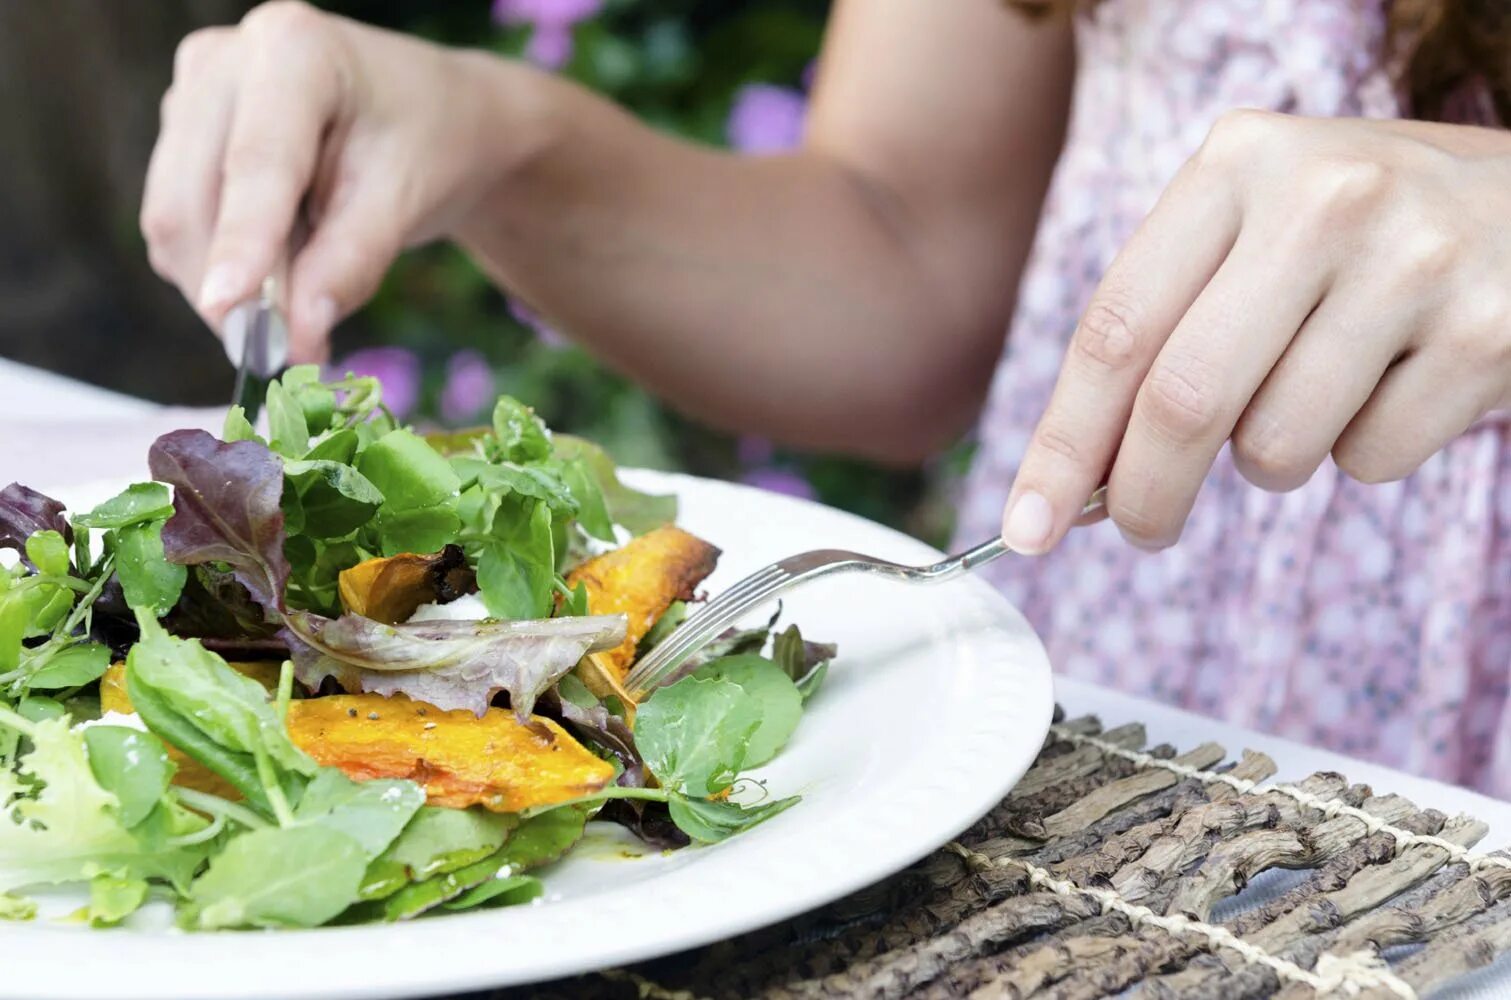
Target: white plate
[937,705]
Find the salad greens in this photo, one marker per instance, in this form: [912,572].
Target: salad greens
[158,653]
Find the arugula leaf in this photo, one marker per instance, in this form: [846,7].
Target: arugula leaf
[516,572]
[372,813]
[147,578]
[137,503]
[227,508]
[520,434]
[237,768]
[113,898]
[71,666]
[637,512]
[711,822]
[420,492]
[592,509]
[337,446]
[574,602]
[335,498]
[781,705]
[226,706]
[695,734]
[131,765]
[299,876]
[24,512]
[449,664]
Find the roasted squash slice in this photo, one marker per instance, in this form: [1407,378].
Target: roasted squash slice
[461,760]
[640,581]
[389,590]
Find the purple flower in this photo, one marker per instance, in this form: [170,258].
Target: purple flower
[469,387]
[778,480]
[397,370]
[548,334]
[766,119]
[551,40]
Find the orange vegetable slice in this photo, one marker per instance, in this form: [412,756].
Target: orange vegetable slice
[461,760]
[389,590]
[640,581]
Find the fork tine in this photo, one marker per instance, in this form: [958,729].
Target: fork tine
[705,624]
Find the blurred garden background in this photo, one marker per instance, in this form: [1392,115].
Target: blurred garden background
[79,85]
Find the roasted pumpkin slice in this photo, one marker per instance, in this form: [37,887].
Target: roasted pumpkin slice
[389,590]
[191,773]
[640,581]
[461,760]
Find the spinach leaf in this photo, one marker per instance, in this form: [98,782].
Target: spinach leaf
[711,822]
[436,841]
[137,504]
[420,492]
[781,705]
[335,498]
[147,578]
[238,428]
[637,512]
[299,876]
[500,890]
[592,510]
[288,434]
[695,734]
[131,765]
[520,434]
[516,572]
[71,666]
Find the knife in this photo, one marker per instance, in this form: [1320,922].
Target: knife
[257,342]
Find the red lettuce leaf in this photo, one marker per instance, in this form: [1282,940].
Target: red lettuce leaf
[24,512]
[450,664]
[226,508]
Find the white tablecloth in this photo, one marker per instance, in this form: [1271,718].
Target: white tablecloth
[57,431]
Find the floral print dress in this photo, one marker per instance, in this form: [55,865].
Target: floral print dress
[1374,620]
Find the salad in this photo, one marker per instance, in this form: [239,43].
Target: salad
[354,673]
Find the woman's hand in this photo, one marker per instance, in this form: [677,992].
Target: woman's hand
[1304,288]
[370,141]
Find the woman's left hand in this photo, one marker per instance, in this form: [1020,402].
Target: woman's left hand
[1304,287]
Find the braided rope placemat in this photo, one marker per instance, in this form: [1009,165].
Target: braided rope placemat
[1113,868]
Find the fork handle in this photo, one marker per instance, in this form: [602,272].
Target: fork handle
[986,552]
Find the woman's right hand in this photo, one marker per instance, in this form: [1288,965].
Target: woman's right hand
[371,141]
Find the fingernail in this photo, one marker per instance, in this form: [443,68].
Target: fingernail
[1029,523]
[222,284]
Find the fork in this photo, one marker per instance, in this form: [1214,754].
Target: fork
[765,584]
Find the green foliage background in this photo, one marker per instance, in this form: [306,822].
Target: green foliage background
[678,64]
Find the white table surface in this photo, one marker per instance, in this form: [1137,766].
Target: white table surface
[42,413]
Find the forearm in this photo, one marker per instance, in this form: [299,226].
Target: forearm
[795,296]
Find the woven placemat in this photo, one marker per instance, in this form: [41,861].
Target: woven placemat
[1117,868]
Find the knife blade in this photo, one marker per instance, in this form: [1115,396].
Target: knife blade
[256,339]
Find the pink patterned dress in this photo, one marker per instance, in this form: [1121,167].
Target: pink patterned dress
[1374,620]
